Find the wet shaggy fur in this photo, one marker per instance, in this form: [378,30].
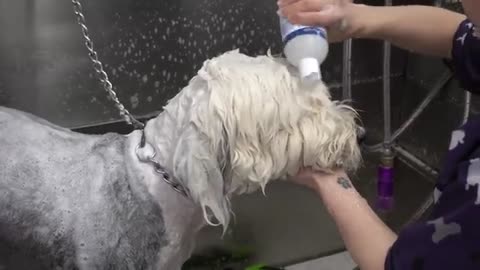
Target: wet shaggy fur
[74,201]
[64,195]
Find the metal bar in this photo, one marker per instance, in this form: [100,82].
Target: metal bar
[439,85]
[386,94]
[385,181]
[386,89]
[409,157]
[421,210]
[347,70]
[444,79]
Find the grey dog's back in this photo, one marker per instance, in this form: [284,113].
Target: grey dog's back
[66,200]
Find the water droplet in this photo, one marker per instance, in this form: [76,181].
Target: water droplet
[134,101]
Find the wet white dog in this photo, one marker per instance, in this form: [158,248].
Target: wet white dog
[74,201]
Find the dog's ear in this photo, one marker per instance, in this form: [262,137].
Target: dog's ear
[198,169]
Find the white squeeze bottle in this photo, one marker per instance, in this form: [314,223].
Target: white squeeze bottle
[305,47]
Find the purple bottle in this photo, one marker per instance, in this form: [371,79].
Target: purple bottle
[385,182]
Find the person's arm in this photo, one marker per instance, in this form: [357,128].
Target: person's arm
[422,29]
[366,237]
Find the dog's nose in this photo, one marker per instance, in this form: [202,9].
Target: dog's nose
[361,135]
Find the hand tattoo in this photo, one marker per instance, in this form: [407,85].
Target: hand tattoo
[344,182]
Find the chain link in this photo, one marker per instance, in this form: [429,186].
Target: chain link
[98,67]
[166,177]
[150,158]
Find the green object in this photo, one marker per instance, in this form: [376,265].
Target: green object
[261,267]
[234,258]
[255,267]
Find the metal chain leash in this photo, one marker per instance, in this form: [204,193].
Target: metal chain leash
[98,67]
[107,85]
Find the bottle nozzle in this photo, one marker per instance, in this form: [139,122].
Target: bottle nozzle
[310,69]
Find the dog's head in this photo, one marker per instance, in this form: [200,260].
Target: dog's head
[244,121]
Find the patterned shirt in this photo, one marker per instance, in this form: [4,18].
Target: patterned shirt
[451,237]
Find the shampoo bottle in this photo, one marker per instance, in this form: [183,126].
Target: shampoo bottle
[305,47]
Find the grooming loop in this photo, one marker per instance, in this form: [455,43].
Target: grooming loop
[98,67]
[148,154]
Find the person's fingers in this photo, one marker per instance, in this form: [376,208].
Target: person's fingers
[303,175]
[304,181]
[304,172]
[304,6]
[283,3]
[326,17]
[313,12]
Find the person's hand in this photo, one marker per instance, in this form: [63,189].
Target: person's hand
[315,179]
[335,15]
